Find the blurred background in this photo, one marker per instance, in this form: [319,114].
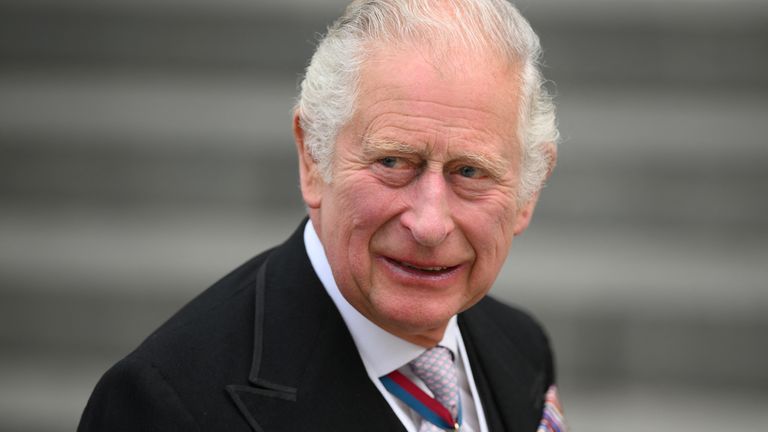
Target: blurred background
[145,150]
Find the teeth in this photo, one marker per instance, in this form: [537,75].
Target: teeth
[431,269]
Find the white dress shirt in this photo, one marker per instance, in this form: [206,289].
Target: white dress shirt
[382,352]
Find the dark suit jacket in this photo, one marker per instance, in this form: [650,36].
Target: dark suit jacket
[265,349]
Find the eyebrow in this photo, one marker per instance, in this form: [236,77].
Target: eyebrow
[372,146]
[495,166]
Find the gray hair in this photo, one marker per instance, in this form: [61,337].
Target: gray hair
[329,90]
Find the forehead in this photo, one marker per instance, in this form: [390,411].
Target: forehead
[461,94]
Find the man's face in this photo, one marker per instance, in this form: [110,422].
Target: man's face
[421,210]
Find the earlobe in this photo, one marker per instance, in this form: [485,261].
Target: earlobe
[309,176]
[524,215]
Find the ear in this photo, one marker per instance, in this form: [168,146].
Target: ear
[309,174]
[525,213]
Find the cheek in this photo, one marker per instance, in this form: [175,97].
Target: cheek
[488,226]
[364,204]
[355,209]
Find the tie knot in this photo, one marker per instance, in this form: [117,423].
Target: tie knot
[436,369]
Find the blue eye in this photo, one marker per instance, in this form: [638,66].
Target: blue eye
[468,171]
[389,161]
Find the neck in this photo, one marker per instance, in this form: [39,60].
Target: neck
[425,338]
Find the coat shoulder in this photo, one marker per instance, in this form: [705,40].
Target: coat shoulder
[175,379]
[135,395]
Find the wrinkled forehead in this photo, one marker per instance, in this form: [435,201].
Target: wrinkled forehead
[462,80]
[406,97]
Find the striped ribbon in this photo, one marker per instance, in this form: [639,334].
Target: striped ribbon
[424,404]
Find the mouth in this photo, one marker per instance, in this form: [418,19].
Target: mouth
[427,270]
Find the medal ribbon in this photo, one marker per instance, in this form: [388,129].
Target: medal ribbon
[424,404]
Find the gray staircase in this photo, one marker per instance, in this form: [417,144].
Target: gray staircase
[145,150]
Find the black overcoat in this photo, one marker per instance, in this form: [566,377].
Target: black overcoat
[265,349]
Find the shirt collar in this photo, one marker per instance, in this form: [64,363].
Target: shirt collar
[381,351]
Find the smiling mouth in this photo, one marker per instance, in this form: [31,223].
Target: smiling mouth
[432,270]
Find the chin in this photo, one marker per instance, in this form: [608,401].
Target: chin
[415,317]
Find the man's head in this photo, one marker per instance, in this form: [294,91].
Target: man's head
[424,135]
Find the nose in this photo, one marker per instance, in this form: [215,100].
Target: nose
[428,216]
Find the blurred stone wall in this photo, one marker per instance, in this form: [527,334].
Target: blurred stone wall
[145,150]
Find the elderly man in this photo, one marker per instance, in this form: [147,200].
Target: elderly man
[423,136]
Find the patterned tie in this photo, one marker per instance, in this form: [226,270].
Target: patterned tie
[436,369]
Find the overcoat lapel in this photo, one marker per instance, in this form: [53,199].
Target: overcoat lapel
[511,390]
[306,372]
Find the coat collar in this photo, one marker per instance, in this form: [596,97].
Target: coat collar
[305,373]
[511,386]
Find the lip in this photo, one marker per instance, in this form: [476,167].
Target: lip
[428,274]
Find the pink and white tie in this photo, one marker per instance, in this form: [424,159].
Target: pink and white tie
[436,369]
